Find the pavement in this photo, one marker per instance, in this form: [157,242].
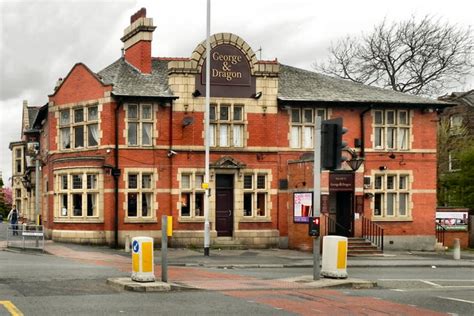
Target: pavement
[189,268]
[277,258]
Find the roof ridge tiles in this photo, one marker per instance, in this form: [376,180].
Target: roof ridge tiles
[171,58]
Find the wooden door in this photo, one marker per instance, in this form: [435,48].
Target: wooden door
[224,204]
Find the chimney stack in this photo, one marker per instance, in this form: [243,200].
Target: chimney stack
[137,41]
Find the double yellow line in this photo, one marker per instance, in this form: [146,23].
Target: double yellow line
[14,311]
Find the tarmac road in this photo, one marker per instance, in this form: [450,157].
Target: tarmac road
[72,281]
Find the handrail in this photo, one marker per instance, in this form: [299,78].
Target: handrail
[372,232]
[440,230]
[331,225]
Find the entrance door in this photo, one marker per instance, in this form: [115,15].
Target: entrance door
[345,214]
[224,204]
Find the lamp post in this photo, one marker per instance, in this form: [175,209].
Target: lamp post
[207,228]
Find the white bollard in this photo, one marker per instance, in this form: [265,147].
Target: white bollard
[334,261]
[127,243]
[143,268]
[456,249]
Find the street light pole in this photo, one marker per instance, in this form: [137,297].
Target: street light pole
[317,193]
[207,229]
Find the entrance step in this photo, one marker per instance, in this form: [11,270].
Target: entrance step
[227,243]
[361,247]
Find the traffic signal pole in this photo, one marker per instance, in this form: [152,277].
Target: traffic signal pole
[317,194]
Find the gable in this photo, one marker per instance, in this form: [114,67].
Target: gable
[79,85]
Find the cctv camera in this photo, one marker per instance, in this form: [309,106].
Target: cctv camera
[171,153]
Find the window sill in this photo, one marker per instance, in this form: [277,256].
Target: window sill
[139,220]
[392,219]
[78,220]
[255,220]
[191,220]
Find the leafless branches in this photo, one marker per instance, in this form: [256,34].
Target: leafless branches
[419,57]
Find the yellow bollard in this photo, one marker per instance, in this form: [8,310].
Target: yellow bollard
[142,260]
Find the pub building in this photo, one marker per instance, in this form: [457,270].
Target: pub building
[121,147]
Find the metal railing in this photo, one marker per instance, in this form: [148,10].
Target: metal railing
[440,231]
[334,228]
[372,232]
[25,236]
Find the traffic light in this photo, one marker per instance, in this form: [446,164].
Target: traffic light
[314,226]
[332,144]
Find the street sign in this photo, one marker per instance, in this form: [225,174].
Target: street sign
[314,226]
[135,246]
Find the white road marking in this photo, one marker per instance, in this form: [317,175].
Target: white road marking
[431,283]
[456,299]
[433,280]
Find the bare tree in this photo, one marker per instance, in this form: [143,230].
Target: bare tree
[419,57]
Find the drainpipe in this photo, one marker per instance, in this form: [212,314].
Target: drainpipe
[362,131]
[170,154]
[116,172]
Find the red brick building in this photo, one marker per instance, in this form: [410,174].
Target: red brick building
[121,147]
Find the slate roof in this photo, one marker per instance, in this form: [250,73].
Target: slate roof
[302,85]
[32,113]
[466,97]
[128,81]
[295,85]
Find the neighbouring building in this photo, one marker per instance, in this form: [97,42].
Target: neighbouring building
[121,147]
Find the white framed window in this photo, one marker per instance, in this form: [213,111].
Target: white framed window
[453,162]
[302,126]
[191,195]
[140,195]
[78,195]
[140,124]
[391,129]
[18,158]
[227,125]
[79,127]
[391,196]
[256,193]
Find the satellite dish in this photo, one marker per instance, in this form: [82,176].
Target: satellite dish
[188,120]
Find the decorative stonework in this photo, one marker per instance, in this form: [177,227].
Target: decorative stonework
[195,63]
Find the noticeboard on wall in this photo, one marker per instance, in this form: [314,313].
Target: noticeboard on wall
[302,206]
[453,220]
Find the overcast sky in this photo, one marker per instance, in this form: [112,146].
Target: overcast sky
[41,40]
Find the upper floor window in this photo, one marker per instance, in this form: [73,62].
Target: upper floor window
[256,192]
[453,161]
[302,127]
[18,160]
[391,195]
[78,194]
[140,194]
[391,129]
[140,124]
[227,125]
[192,195]
[455,123]
[79,127]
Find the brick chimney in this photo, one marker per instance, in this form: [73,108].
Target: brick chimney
[137,41]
